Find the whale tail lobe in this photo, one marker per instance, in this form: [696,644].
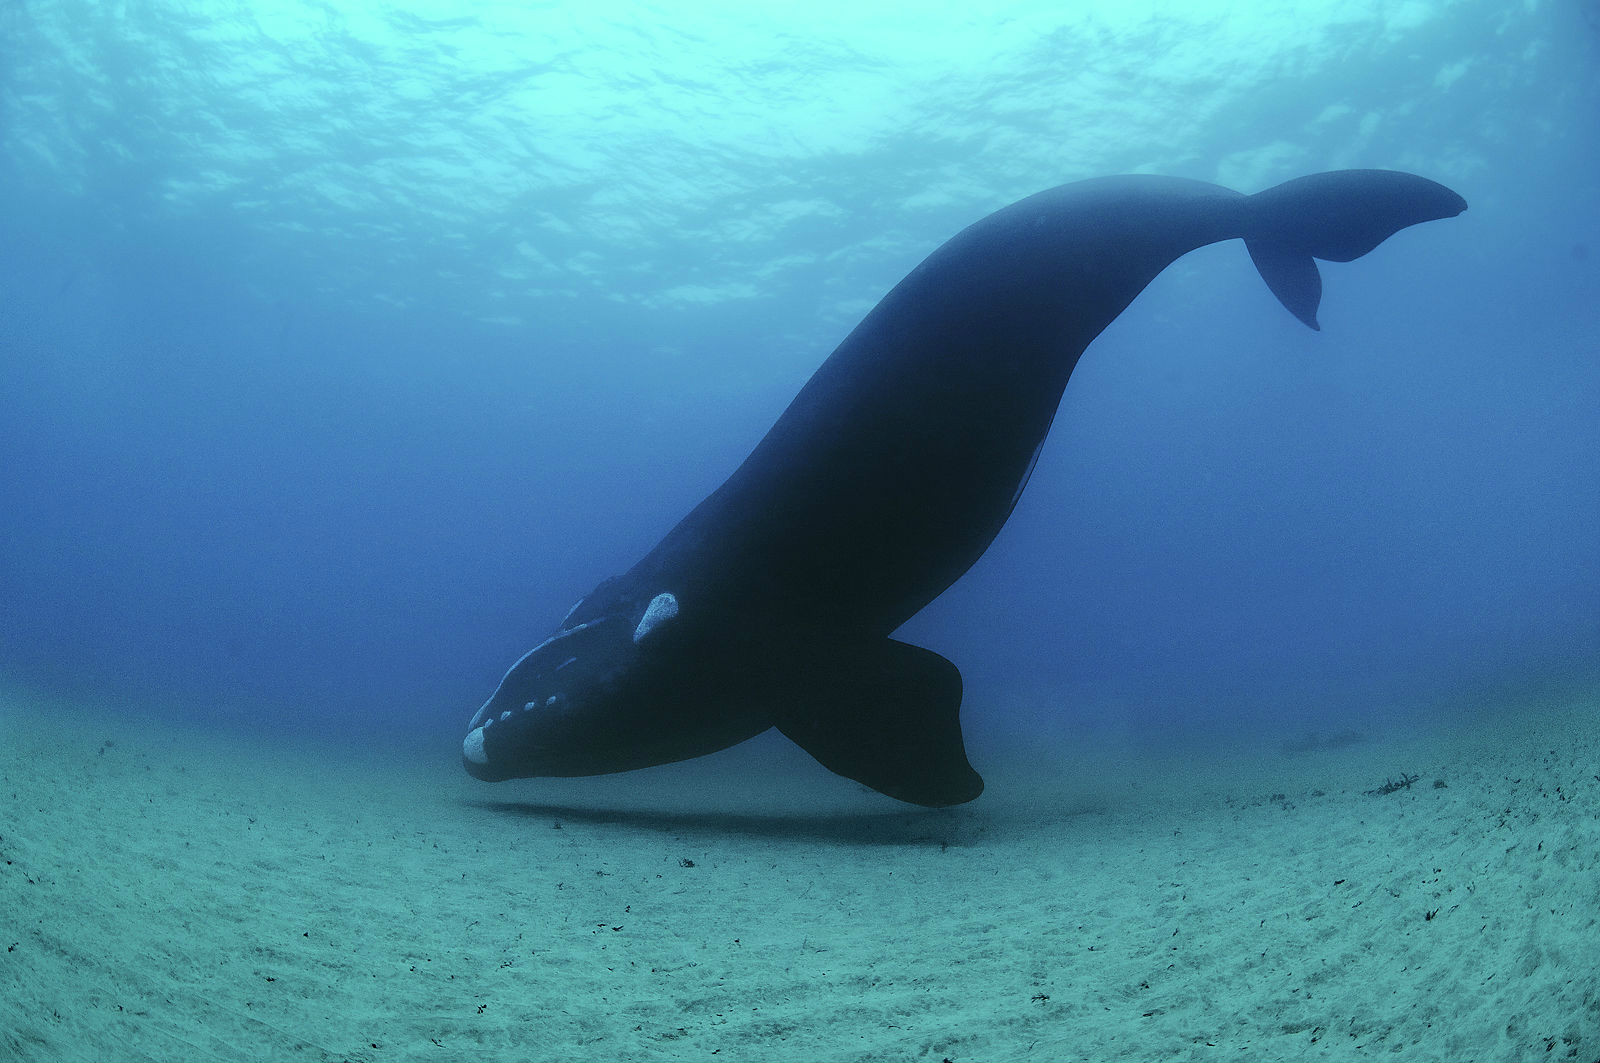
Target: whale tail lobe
[1336,216]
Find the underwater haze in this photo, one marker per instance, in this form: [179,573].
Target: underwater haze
[345,346]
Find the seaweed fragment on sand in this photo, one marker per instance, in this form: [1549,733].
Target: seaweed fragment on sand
[1391,785]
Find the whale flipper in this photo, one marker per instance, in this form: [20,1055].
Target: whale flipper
[1337,217]
[885,713]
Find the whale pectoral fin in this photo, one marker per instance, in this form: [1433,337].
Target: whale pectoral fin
[886,714]
[1292,275]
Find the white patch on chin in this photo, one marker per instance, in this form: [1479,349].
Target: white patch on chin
[472,747]
[663,607]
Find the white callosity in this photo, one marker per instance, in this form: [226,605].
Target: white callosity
[472,747]
[479,715]
[662,607]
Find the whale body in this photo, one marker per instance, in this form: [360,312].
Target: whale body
[772,603]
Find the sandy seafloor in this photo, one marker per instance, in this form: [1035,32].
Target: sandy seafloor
[172,894]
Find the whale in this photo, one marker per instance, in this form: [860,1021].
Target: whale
[774,602]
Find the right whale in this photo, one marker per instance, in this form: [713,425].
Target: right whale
[772,603]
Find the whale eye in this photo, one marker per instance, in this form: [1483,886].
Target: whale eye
[663,607]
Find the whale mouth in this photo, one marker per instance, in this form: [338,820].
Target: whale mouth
[535,667]
[511,744]
[472,752]
[475,759]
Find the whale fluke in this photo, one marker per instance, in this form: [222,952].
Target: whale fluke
[1337,217]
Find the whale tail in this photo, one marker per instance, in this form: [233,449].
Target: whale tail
[1337,217]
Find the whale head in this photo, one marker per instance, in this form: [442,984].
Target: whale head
[608,691]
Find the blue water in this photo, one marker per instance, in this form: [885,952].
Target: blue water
[344,346]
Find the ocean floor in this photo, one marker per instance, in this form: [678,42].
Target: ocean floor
[169,894]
